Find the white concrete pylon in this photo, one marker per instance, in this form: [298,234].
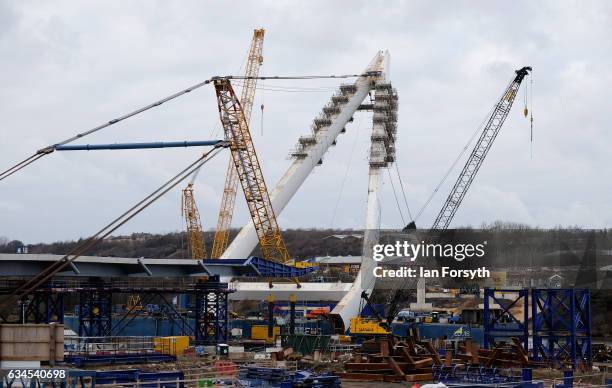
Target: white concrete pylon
[348,306]
[296,174]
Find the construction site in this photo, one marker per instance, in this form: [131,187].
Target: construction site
[245,312]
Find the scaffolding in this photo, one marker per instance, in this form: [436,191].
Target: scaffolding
[384,119]
[384,106]
[329,112]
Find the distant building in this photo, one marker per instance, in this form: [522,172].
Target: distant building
[132,237]
[347,264]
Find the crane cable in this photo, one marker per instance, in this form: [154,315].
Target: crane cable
[49,149]
[262,99]
[452,166]
[531,114]
[529,111]
[216,127]
[96,238]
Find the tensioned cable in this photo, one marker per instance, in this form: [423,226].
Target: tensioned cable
[268,77]
[295,89]
[348,166]
[215,129]
[49,149]
[452,166]
[112,226]
[399,207]
[399,177]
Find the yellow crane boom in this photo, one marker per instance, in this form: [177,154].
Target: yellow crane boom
[195,237]
[249,172]
[226,210]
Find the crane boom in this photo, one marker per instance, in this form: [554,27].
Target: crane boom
[479,153]
[195,237]
[226,210]
[249,172]
[467,175]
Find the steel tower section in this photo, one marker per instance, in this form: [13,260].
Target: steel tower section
[562,326]
[310,150]
[496,329]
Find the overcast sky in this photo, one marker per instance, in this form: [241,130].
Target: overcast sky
[67,66]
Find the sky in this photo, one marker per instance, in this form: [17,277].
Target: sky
[68,66]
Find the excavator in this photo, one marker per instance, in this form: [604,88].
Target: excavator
[488,135]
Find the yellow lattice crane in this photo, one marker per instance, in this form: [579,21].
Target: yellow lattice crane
[195,237]
[249,173]
[226,210]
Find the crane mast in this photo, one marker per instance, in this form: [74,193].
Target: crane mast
[249,172]
[485,141]
[479,153]
[195,237]
[226,210]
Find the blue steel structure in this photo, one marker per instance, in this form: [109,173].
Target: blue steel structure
[95,312]
[560,329]
[259,267]
[562,326]
[95,315]
[501,327]
[211,314]
[135,146]
[44,306]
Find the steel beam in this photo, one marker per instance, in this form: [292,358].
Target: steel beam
[136,146]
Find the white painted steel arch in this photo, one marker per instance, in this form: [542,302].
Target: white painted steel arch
[306,158]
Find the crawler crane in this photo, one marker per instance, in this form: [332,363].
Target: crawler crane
[249,172]
[195,238]
[465,179]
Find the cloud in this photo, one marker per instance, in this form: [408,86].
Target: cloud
[68,66]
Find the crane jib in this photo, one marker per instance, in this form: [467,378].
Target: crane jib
[479,153]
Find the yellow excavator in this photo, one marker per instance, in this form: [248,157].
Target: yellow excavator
[362,328]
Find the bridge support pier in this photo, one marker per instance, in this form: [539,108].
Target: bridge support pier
[211,313]
[95,313]
[42,307]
